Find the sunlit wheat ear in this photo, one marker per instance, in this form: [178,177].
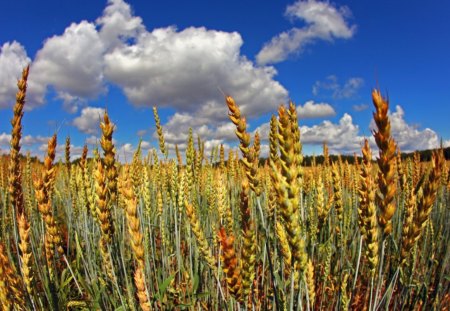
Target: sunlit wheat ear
[15,183]
[345,299]
[103,212]
[26,255]
[337,190]
[310,282]
[87,194]
[430,190]
[250,154]
[408,222]
[11,293]
[230,264]
[248,251]
[141,291]
[323,207]
[292,112]
[285,182]
[44,189]
[106,258]
[159,130]
[146,194]
[222,158]
[109,155]
[136,170]
[199,235]
[133,221]
[386,162]
[15,173]
[326,156]
[367,209]
[179,158]
[417,172]
[283,245]
[425,204]
[401,175]
[67,156]
[220,191]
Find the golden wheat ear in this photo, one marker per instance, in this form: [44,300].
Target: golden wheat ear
[367,210]
[15,172]
[386,162]
[231,268]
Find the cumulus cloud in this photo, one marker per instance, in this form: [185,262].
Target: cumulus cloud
[31,140]
[35,145]
[323,22]
[184,69]
[117,24]
[141,133]
[5,139]
[72,63]
[333,88]
[89,120]
[345,136]
[13,58]
[92,140]
[341,137]
[176,130]
[75,151]
[360,107]
[27,140]
[315,110]
[409,137]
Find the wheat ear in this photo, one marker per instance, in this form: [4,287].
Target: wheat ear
[386,162]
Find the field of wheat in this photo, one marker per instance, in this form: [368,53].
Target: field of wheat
[224,232]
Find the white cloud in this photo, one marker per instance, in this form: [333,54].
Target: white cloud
[71,103]
[346,137]
[226,131]
[141,133]
[185,69]
[145,145]
[341,137]
[360,107]
[60,152]
[118,23]
[89,120]
[323,21]
[31,140]
[72,63]
[125,152]
[92,140]
[5,139]
[37,146]
[409,137]
[27,140]
[315,110]
[332,87]
[176,130]
[13,58]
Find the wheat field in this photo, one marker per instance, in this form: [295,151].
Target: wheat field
[226,231]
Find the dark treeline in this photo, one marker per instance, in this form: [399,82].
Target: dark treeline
[425,155]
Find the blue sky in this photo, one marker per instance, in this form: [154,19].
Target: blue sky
[180,55]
